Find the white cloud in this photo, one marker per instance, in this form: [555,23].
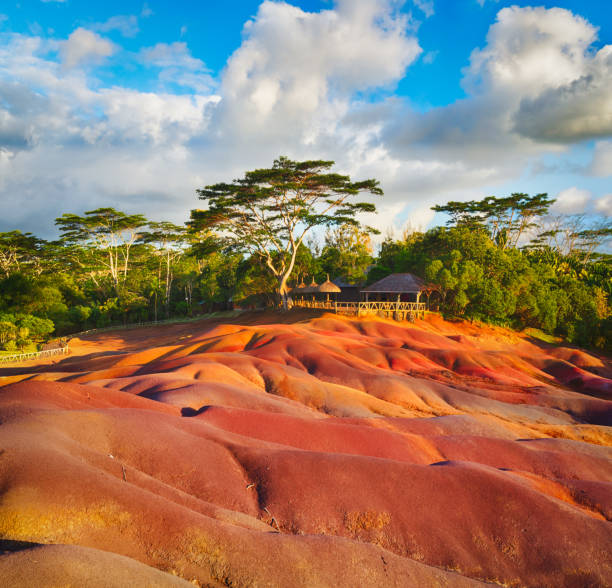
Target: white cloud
[430,56]
[530,50]
[581,109]
[85,46]
[572,201]
[285,90]
[126,24]
[171,55]
[178,66]
[296,71]
[474,142]
[425,6]
[291,88]
[603,205]
[602,159]
[540,63]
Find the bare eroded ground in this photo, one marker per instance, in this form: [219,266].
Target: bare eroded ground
[307,450]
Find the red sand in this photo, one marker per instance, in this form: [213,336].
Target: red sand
[313,452]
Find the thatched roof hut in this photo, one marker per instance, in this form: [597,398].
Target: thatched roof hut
[328,287]
[398,287]
[311,288]
[398,284]
[299,289]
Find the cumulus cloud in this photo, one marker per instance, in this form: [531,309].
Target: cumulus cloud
[126,24]
[293,64]
[171,55]
[539,60]
[602,159]
[425,6]
[603,205]
[67,146]
[571,112]
[298,85]
[178,66]
[572,201]
[530,50]
[285,90]
[84,46]
[531,55]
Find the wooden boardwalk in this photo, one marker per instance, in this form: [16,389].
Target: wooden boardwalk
[400,311]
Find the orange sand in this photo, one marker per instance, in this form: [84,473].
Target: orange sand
[316,451]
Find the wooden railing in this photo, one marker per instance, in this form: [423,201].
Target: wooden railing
[64,350]
[397,310]
[34,355]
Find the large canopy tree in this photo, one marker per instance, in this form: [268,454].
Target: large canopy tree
[270,211]
[107,231]
[169,240]
[18,252]
[347,253]
[507,218]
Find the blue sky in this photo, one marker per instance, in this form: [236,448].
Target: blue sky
[136,104]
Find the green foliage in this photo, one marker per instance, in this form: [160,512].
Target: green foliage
[269,212]
[112,268]
[347,253]
[478,279]
[20,331]
[19,251]
[506,218]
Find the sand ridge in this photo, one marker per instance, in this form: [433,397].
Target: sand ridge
[316,451]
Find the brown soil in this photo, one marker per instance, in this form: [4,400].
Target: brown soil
[307,450]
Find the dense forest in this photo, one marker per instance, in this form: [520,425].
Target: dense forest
[499,260]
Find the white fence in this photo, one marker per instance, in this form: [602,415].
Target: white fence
[34,355]
[396,310]
[65,350]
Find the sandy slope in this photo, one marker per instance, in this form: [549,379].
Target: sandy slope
[317,451]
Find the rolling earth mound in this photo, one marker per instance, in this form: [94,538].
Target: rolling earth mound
[308,450]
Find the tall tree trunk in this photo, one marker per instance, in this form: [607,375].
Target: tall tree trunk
[283,276]
[168,284]
[282,290]
[157,287]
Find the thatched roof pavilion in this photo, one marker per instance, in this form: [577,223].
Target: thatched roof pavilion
[327,287]
[316,291]
[311,288]
[397,284]
[299,289]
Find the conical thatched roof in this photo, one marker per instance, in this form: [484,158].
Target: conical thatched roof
[327,287]
[312,287]
[397,284]
[299,289]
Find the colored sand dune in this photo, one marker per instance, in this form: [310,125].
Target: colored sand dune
[322,451]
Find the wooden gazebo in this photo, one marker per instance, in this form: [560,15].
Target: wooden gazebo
[311,289]
[327,288]
[315,295]
[397,288]
[397,296]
